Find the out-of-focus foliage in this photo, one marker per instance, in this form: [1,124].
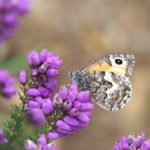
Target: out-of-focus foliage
[16,63]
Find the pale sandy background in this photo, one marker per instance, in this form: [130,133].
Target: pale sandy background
[80,31]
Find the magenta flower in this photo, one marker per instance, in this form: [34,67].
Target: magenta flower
[41,144]
[23,77]
[7,89]
[10,10]
[132,142]
[40,84]
[66,111]
[75,111]
[37,116]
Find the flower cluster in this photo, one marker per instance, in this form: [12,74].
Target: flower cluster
[41,144]
[133,143]
[73,109]
[41,84]
[7,89]
[9,12]
[64,112]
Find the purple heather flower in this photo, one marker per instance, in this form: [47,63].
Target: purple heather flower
[53,135]
[36,115]
[73,112]
[57,101]
[67,105]
[2,137]
[10,12]
[47,107]
[7,89]
[53,61]
[23,77]
[42,82]
[30,145]
[41,144]
[68,111]
[44,92]
[52,72]
[23,7]
[133,143]
[33,59]
[62,125]
[76,115]
[145,145]
[33,104]
[43,55]
[33,92]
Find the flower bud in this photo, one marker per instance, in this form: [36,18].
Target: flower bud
[67,105]
[83,117]
[43,55]
[57,101]
[53,135]
[83,96]
[30,145]
[47,107]
[44,92]
[86,107]
[36,115]
[33,92]
[74,112]
[71,121]
[23,77]
[62,125]
[32,104]
[63,92]
[52,72]
[42,140]
[33,59]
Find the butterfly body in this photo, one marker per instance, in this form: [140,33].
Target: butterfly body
[107,81]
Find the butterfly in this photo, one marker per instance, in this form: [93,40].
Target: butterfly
[108,80]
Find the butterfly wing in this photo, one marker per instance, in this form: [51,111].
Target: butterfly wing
[107,81]
[109,63]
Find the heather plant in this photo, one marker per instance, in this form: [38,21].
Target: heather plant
[7,84]
[53,113]
[133,142]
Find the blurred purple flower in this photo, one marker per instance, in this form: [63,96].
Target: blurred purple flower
[2,137]
[10,10]
[36,115]
[41,144]
[7,89]
[133,143]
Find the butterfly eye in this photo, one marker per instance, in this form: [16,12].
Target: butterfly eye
[118,61]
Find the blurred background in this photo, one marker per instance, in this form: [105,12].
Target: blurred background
[79,32]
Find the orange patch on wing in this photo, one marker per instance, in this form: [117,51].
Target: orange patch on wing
[100,67]
[107,67]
